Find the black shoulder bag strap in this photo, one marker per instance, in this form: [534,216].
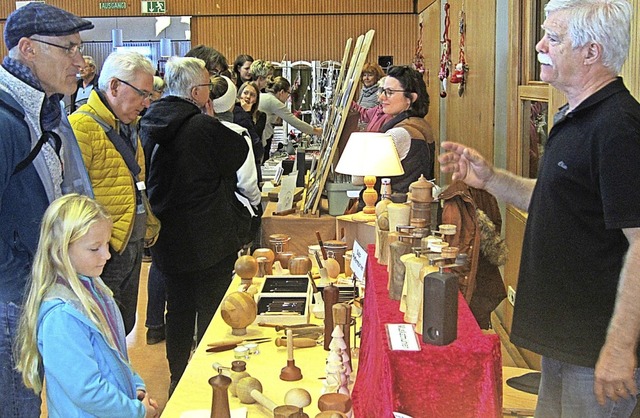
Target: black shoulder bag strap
[120,144]
[36,149]
[4,98]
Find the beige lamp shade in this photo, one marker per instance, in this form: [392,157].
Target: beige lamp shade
[370,154]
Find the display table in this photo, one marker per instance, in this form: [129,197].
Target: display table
[350,230]
[193,395]
[301,229]
[463,379]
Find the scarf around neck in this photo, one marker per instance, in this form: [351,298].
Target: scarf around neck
[51,112]
[369,91]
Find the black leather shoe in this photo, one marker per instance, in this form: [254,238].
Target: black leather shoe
[155,335]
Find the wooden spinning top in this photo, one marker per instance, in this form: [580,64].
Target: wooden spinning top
[238,310]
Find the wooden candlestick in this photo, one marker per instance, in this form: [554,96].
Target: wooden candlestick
[220,400]
[290,372]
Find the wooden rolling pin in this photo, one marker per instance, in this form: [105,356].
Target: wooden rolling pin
[297,342]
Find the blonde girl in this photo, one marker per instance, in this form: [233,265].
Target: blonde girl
[71,328]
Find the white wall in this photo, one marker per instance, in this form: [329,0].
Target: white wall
[138,28]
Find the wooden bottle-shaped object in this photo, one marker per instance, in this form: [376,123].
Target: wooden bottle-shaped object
[396,267]
[382,231]
[220,400]
[330,295]
[412,291]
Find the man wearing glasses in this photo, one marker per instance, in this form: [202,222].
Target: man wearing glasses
[124,90]
[39,161]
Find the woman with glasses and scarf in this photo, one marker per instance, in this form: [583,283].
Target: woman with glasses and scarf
[404,97]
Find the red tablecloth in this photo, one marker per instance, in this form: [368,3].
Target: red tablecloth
[463,379]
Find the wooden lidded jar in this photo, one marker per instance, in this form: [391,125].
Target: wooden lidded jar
[421,191]
[336,249]
[279,242]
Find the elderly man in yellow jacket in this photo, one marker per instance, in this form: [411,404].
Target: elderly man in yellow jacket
[124,90]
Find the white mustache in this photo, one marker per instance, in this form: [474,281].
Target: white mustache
[544,59]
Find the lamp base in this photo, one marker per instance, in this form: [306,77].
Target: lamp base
[363,217]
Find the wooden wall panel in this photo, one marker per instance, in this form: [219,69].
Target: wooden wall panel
[630,71]
[232,7]
[421,5]
[431,51]
[470,118]
[306,37]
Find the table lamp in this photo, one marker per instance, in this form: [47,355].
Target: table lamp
[369,154]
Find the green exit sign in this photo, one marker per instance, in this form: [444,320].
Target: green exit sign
[111,5]
[154,6]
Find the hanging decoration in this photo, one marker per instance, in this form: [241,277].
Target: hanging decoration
[445,58]
[418,58]
[459,75]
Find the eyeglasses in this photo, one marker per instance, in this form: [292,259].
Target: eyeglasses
[389,92]
[142,93]
[249,93]
[210,85]
[70,50]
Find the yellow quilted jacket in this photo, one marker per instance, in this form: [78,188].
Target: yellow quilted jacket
[112,182]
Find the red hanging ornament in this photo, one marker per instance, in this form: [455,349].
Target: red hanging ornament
[459,75]
[445,58]
[418,58]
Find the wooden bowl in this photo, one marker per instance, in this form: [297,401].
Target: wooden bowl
[299,264]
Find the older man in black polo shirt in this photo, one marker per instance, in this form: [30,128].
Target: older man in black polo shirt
[579,286]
